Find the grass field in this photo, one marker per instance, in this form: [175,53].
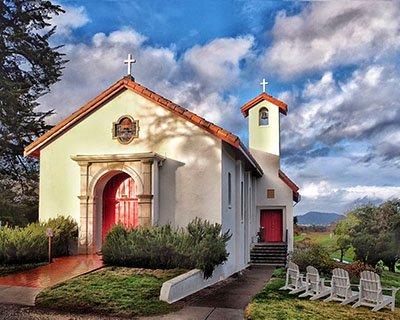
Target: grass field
[273,304]
[326,239]
[114,291]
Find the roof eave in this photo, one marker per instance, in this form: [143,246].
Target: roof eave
[283,108]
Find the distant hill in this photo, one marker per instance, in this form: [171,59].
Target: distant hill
[319,218]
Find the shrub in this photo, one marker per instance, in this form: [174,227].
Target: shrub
[65,235]
[308,253]
[201,245]
[30,244]
[354,269]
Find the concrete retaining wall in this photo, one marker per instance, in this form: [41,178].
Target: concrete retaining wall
[189,283]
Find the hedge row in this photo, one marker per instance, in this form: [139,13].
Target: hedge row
[201,245]
[30,244]
[308,253]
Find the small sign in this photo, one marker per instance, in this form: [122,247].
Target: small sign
[270,193]
[49,232]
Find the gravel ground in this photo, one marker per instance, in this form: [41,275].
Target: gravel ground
[13,312]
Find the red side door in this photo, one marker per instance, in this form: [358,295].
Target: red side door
[272,224]
[120,203]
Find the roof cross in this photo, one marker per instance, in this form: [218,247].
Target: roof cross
[129,62]
[264,84]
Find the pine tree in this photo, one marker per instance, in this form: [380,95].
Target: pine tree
[28,67]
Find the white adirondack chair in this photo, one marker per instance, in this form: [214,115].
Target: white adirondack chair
[315,286]
[294,280]
[371,292]
[341,287]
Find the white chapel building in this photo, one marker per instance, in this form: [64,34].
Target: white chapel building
[134,157]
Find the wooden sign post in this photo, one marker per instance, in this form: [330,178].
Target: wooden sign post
[50,234]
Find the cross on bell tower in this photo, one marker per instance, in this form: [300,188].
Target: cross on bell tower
[264,84]
[129,62]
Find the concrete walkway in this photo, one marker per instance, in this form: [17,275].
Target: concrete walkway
[225,300]
[22,288]
[201,313]
[235,292]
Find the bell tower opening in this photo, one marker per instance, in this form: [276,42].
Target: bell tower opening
[263,113]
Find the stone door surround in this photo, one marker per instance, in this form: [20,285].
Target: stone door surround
[95,171]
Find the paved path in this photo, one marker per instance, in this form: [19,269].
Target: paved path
[225,300]
[22,288]
[201,313]
[235,292]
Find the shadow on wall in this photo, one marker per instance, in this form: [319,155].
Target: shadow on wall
[167,194]
[191,154]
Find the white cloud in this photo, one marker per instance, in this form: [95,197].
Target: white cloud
[325,189]
[329,112]
[330,33]
[371,192]
[217,62]
[316,190]
[195,81]
[73,18]
[357,118]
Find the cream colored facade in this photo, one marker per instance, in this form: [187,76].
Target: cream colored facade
[265,137]
[180,169]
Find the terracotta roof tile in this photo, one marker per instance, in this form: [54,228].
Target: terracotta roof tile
[128,83]
[283,108]
[291,185]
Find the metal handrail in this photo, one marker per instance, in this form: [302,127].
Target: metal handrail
[286,245]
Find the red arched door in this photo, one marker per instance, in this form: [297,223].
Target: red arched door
[120,203]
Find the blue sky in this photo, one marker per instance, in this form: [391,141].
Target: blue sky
[336,64]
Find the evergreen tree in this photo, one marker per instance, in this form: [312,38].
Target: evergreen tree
[28,67]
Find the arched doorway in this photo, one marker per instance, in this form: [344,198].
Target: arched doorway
[120,202]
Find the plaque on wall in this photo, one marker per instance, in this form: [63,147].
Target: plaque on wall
[125,129]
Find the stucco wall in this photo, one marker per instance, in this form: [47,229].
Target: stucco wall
[265,138]
[189,180]
[231,214]
[283,194]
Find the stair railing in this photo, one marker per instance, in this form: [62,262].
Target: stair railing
[287,246]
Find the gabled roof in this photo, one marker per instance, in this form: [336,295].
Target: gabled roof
[291,185]
[127,83]
[283,108]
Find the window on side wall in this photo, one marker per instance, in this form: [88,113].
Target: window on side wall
[241,201]
[229,190]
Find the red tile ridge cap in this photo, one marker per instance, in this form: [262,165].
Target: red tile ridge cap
[283,108]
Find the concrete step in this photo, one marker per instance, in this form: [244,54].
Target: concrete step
[281,245]
[267,250]
[281,262]
[267,254]
[260,263]
[268,264]
[267,258]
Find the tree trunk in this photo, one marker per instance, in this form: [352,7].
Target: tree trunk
[392,266]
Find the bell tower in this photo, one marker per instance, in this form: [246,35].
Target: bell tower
[263,113]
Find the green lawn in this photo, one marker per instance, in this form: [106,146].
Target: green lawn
[9,269]
[273,304]
[115,291]
[326,239]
